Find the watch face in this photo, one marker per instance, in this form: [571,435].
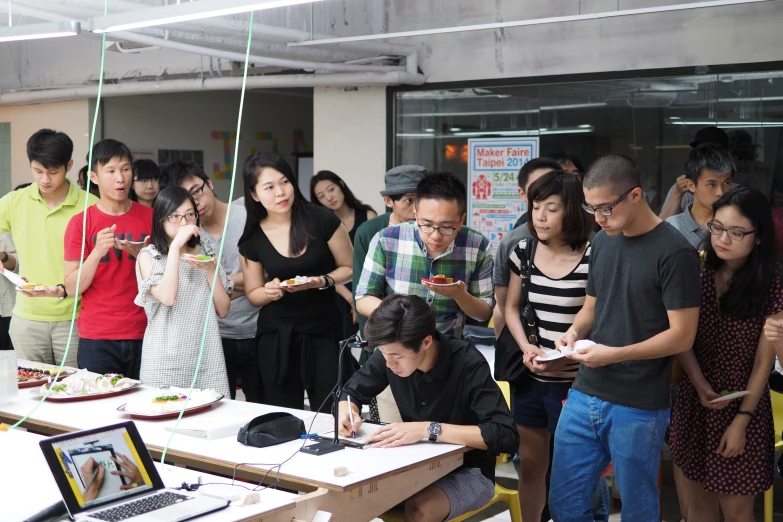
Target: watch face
[434,428]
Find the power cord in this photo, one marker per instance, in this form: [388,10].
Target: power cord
[194,487]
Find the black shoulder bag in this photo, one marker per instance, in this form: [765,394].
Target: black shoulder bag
[508,356]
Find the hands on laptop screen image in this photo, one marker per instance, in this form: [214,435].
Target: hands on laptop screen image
[103,467]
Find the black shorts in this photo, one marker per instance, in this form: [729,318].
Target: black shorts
[538,404]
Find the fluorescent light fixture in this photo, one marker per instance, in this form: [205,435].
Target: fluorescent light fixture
[430,129]
[532,132]
[751,99]
[573,106]
[455,129]
[728,124]
[184,12]
[39,31]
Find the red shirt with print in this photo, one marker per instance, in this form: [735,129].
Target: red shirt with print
[108,311]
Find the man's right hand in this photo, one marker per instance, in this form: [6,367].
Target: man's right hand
[105,240]
[567,339]
[680,186]
[344,418]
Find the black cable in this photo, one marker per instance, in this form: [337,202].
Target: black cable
[345,344]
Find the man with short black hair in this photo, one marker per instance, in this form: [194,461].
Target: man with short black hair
[37,217]
[642,307]
[111,326]
[238,329]
[403,259]
[445,393]
[679,197]
[709,171]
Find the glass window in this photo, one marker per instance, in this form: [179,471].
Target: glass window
[652,120]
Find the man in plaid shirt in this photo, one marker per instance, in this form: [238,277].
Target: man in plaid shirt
[399,257]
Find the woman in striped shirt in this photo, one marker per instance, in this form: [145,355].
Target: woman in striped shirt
[556,291]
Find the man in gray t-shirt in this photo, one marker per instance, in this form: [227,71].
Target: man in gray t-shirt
[642,307]
[238,329]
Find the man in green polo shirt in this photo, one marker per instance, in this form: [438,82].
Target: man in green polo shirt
[37,217]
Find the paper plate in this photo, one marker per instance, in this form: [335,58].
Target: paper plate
[730,397]
[429,282]
[15,279]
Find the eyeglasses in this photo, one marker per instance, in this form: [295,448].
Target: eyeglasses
[606,211]
[733,233]
[199,191]
[176,218]
[429,229]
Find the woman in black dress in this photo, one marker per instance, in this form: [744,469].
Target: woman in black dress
[298,326]
[329,190]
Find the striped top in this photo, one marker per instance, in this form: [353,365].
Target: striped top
[556,303]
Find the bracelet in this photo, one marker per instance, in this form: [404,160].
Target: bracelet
[748,413]
[328,280]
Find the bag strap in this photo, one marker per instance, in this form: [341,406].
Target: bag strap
[527,313]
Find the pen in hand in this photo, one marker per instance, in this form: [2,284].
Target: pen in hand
[350,417]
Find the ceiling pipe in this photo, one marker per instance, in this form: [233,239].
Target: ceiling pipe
[212,84]
[204,51]
[283,34]
[193,32]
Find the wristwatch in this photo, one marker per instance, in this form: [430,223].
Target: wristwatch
[5,258]
[65,294]
[434,430]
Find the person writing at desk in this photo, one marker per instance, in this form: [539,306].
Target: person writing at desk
[445,392]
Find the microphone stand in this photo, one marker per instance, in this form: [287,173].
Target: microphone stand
[326,445]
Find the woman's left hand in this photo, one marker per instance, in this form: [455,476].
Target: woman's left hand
[732,444]
[209,266]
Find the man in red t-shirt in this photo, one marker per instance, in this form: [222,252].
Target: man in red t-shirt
[111,326]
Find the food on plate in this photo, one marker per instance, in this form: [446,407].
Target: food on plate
[298,280]
[727,392]
[441,279]
[88,383]
[171,400]
[202,257]
[28,287]
[39,288]
[32,374]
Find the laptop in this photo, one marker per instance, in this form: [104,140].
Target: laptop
[107,474]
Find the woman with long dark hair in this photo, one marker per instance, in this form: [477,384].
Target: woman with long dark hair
[293,253]
[560,253]
[174,291]
[146,181]
[329,190]
[725,449]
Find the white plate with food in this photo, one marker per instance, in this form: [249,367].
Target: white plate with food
[297,281]
[38,375]
[28,287]
[126,241]
[85,386]
[167,403]
[440,280]
[729,396]
[202,258]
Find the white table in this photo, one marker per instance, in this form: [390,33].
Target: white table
[378,479]
[28,486]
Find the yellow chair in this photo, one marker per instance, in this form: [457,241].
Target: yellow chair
[777,413]
[509,496]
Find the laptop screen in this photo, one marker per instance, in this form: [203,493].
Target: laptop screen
[97,467]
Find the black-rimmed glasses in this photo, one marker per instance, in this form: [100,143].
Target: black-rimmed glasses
[608,210]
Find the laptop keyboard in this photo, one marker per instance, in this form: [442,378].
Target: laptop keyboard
[139,507]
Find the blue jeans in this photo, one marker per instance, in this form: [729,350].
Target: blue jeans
[590,434]
[101,356]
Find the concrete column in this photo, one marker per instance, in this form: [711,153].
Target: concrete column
[350,138]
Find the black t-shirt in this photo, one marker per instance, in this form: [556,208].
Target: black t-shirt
[309,307]
[635,280]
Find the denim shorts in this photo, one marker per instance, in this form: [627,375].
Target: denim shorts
[538,404]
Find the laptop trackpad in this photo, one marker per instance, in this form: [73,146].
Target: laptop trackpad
[185,510]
